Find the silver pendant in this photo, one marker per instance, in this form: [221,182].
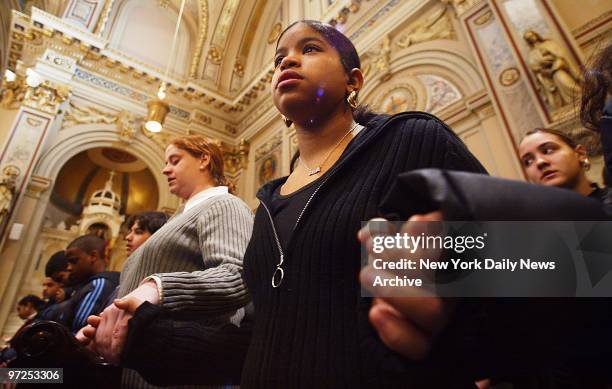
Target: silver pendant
[279,273]
[314,171]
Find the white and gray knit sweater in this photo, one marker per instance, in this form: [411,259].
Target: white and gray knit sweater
[198,257]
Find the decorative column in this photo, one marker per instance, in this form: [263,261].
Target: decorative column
[235,160]
[18,157]
[25,141]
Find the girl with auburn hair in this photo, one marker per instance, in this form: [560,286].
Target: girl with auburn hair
[191,267]
[302,265]
[199,146]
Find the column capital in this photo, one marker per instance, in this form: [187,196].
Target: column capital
[235,158]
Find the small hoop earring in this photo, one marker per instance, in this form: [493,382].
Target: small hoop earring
[352,100]
[586,164]
[288,122]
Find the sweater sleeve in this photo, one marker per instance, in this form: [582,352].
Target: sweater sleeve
[224,231]
[432,144]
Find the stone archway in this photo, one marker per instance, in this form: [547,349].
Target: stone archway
[73,140]
[62,146]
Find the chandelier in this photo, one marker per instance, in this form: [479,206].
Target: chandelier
[158,108]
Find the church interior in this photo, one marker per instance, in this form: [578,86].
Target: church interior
[82,80]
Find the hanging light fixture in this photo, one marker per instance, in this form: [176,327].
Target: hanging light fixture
[158,107]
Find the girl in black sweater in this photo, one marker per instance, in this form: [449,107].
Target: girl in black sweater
[302,264]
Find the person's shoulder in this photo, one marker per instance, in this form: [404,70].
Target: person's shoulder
[414,123]
[225,201]
[106,276]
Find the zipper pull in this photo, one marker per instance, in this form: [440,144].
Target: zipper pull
[279,273]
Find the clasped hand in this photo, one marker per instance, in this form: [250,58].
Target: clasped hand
[408,321]
[106,334]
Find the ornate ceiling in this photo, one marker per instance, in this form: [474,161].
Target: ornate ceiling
[222,66]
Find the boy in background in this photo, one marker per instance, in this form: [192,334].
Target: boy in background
[93,284]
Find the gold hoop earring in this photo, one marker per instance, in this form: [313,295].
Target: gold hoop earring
[288,122]
[586,164]
[352,100]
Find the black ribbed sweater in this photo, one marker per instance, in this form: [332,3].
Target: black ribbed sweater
[313,331]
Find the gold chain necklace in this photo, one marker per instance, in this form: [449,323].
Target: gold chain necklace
[317,169]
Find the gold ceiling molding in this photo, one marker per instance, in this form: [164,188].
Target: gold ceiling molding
[238,67]
[118,67]
[13,93]
[215,55]
[202,118]
[47,97]
[195,62]
[343,14]
[247,38]
[104,16]
[15,48]
[235,158]
[268,146]
[219,39]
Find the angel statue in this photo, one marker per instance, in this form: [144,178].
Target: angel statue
[557,77]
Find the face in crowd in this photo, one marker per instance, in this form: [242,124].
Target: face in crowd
[549,160]
[310,78]
[25,310]
[50,288]
[184,171]
[136,237]
[81,264]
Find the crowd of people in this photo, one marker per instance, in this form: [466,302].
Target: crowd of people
[218,296]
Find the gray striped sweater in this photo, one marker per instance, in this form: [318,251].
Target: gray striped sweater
[198,257]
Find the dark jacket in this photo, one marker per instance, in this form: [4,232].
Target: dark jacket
[88,299]
[313,331]
[554,342]
[49,311]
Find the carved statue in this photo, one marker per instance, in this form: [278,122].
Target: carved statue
[86,115]
[381,59]
[7,190]
[46,97]
[558,79]
[126,124]
[436,26]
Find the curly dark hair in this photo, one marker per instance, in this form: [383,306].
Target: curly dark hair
[596,87]
[36,301]
[149,221]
